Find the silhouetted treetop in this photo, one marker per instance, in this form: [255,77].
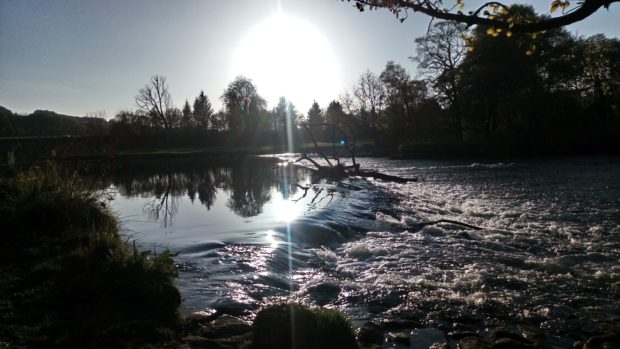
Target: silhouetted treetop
[492,14]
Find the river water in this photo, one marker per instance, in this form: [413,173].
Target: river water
[257,231]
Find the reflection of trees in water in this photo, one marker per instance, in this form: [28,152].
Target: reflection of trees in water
[164,206]
[251,188]
[249,185]
[287,178]
[167,187]
[252,184]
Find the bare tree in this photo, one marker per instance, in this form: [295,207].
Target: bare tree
[154,99]
[439,53]
[369,96]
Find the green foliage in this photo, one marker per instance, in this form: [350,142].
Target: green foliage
[71,280]
[285,326]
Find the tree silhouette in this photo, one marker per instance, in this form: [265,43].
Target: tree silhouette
[493,14]
[187,120]
[243,105]
[203,112]
[369,96]
[154,99]
[315,115]
[439,54]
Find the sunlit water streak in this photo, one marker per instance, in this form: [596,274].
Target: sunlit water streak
[547,256]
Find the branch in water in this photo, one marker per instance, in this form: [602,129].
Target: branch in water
[424,224]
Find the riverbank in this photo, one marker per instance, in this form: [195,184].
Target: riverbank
[70,279]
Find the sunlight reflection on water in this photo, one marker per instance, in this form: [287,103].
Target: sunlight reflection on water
[548,248]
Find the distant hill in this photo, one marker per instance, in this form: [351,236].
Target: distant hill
[48,123]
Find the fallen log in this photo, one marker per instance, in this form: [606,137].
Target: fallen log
[339,170]
[384,177]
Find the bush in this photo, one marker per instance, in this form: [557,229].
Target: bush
[285,326]
[69,278]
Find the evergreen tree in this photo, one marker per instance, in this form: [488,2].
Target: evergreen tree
[203,112]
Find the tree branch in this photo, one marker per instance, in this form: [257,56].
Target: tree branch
[587,8]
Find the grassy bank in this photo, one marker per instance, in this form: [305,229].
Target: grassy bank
[70,279]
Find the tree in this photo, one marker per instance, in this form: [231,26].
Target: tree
[154,99]
[402,98]
[493,14]
[439,54]
[500,84]
[334,114]
[187,119]
[280,115]
[203,112]
[315,115]
[243,105]
[369,97]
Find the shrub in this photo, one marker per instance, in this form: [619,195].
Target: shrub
[69,278]
[285,326]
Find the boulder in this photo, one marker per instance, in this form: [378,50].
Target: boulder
[370,333]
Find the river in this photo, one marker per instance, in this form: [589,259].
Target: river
[252,232]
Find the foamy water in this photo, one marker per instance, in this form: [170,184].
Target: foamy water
[546,256]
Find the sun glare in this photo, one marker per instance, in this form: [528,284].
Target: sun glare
[287,211]
[287,56]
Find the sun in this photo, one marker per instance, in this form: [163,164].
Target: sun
[287,56]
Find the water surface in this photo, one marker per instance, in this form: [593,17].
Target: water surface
[256,231]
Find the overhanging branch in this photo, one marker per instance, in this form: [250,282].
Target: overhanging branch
[584,10]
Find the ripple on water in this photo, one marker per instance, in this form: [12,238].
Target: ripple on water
[547,256]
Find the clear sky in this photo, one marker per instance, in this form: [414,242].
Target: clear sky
[82,56]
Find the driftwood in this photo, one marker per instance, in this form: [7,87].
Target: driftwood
[338,170]
[384,177]
[449,221]
[341,171]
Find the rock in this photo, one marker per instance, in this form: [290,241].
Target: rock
[425,338]
[502,335]
[391,325]
[225,326]
[235,342]
[201,317]
[370,333]
[510,343]
[198,342]
[460,335]
[603,342]
[535,335]
[324,293]
[473,342]
[231,307]
[403,338]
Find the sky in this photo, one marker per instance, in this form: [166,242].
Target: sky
[78,57]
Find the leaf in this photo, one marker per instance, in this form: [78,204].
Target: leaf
[554,6]
[508,34]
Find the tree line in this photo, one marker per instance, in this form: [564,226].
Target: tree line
[481,91]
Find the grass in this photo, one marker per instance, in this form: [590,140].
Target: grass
[285,326]
[70,279]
